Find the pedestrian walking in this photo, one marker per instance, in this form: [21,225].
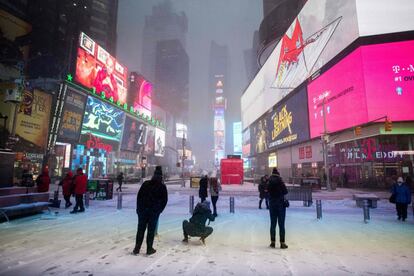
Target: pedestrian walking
[277,209]
[152,198]
[43,181]
[27,179]
[202,191]
[120,178]
[67,188]
[215,188]
[402,197]
[263,191]
[196,227]
[80,182]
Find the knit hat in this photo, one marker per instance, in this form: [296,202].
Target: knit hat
[275,171]
[158,170]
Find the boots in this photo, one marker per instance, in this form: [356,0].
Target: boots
[135,251]
[272,244]
[283,245]
[151,251]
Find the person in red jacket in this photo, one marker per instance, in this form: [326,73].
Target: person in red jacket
[80,183]
[67,188]
[43,181]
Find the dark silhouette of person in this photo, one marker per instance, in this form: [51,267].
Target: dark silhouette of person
[196,227]
[202,191]
[120,178]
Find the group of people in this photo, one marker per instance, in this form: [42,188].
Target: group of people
[152,199]
[75,185]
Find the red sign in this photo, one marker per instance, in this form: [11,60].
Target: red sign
[96,68]
[96,143]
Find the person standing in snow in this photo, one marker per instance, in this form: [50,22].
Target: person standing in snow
[215,189]
[43,181]
[120,178]
[67,188]
[202,191]
[263,193]
[151,201]
[196,227]
[80,182]
[277,191]
[402,194]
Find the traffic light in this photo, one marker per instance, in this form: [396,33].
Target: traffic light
[388,125]
[358,131]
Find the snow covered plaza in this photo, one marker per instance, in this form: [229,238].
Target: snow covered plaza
[100,241]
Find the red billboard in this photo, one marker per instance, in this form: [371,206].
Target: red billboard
[96,68]
[140,94]
[372,82]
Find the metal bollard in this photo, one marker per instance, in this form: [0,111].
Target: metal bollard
[232,204]
[365,208]
[191,204]
[319,209]
[119,203]
[87,199]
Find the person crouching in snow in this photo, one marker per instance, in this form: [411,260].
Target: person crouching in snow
[196,227]
[67,188]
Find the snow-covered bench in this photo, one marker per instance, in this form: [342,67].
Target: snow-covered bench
[371,198]
[21,204]
[303,193]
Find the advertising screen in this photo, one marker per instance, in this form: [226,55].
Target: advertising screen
[372,82]
[237,138]
[102,120]
[135,135]
[150,143]
[219,124]
[259,136]
[95,67]
[159,142]
[219,140]
[246,143]
[140,94]
[287,124]
[180,130]
[72,116]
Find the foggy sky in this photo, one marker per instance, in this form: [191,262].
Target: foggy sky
[228,22]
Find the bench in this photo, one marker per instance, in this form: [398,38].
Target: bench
[17,190]
[300,194]
[22,204]
[371,198]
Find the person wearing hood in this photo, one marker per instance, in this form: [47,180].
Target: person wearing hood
[80,182]
[277,210]
[402,194]
[196,227]
[67,188]
[202,191]
[43,181]
[152,198]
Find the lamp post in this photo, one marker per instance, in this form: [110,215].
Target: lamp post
[182,162]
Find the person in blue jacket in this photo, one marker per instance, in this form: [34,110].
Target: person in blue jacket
[402,198]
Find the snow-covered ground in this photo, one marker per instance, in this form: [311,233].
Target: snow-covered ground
[99,242]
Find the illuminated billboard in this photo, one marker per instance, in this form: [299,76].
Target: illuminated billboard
[246,143]
[140,94]
[96,68]
[180,130]
[220,102]
[372,82]
[237,138]
[102,120]
[134,136]
[219,123]
[159,142]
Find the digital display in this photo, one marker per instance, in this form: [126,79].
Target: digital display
[372,82]
[150,144]
[96,68]
[180,130]
[246,143]
[159,142]
[102,120]
[237,138]
[140,94]
[72,116]
[219,124]
[135,135]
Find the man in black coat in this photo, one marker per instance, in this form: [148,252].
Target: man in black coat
[263,192]
[151,201]
[277,191]
[202,191]
[196,226]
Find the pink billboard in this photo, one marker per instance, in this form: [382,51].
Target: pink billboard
[372,82]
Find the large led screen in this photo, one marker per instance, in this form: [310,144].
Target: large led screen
[135,135]
[140,94]
[237,138]
[102,120]
[96,68]
[246,143]
[72,116]
[372,82]
[159,142]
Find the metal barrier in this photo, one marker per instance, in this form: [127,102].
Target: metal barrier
[365,208]
[232,204]
[87,199]
[119,201]
[191,204]
[319,209]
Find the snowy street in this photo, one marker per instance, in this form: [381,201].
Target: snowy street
[100,241]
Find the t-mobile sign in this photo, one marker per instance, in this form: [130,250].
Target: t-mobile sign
[372,82]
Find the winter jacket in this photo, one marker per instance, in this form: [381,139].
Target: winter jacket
[27,180]
[152,196]
[200,215]
[215,186]
[202,192]
[80,182]
[67,184]
[402,193]
[277,190]
[43,181]
[263,186]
